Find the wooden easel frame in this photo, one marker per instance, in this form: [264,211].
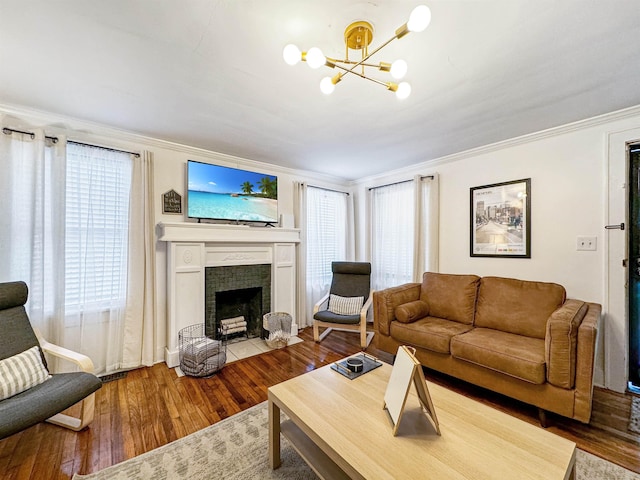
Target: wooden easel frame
[407,370]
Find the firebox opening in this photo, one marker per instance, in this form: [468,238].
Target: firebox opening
[243,302]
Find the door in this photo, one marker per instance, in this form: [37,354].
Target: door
[614,335]
[634,265]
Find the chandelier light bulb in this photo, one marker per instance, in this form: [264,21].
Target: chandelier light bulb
[327,86]
[315,58]
[403,91]
[291,54]
[419,19]
[399,69]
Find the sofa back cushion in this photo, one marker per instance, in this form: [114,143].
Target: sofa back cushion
[517,306]
[452,297]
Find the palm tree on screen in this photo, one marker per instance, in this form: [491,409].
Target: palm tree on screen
[268,187]
[247,188]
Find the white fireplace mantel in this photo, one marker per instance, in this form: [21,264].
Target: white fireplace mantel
[192,247]
[208,232]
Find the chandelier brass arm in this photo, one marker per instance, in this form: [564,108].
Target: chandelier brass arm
[357,36]
[338,77]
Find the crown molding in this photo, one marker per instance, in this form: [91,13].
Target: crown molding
[511,142]
[100,134]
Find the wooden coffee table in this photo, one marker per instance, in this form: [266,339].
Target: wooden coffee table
[340,429]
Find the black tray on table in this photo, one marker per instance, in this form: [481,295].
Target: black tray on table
[369,363]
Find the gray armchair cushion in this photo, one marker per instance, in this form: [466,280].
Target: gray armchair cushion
[351,279]
[37,404]
[327,316]
[13,294]
[17,333]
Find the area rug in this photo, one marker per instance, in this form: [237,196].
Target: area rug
[236,449]
[634,418]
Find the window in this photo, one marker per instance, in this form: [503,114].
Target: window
[326,234]
[392,234]
[98,182]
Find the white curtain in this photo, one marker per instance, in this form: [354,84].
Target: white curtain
[392,234]
[300,215]
[428,220]
[140,313]
[325,219]
[404,231]
[32,188]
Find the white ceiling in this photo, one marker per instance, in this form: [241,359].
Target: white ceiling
[210,74]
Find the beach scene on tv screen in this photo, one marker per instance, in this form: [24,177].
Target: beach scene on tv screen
[231,194]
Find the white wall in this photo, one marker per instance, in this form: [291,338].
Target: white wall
[568,171]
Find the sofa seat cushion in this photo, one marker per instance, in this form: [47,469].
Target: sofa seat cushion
[508,353]
[517,306]
[431,333]
[449,296]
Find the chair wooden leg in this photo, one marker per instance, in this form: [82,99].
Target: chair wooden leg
[363,337]
[316,332]
[77,423]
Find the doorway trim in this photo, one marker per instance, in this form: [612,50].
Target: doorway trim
[616,327]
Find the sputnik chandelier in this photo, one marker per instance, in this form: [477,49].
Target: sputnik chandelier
[358,36]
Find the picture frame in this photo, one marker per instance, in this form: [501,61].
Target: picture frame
[500,220]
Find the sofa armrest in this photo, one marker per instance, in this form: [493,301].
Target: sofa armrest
[585,361]
[561,343]
[81,360]
[385,302]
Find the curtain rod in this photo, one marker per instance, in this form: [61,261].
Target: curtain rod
[402,181]
[9,131]
[327,189]
[137,155]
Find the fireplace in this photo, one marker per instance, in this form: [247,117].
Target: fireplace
[234,291]
[196,251]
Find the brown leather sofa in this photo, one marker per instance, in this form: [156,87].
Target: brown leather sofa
[520,338]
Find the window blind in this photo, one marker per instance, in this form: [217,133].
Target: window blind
[97,218]
[326,233]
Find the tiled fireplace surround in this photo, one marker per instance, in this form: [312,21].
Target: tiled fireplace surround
[192,249]
[235,290]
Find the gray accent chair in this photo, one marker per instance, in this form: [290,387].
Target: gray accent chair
[350,279]
[61,391]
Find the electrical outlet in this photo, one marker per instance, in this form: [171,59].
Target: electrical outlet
[586,243]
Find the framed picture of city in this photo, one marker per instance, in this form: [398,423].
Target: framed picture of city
[501,220]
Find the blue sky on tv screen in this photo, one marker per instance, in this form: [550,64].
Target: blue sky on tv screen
[204,177]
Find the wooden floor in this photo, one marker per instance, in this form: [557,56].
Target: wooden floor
[153,406]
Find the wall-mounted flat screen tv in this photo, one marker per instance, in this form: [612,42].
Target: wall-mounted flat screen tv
[223,193]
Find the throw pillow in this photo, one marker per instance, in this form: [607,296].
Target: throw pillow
[21,372]
[412,311]
[345,305]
